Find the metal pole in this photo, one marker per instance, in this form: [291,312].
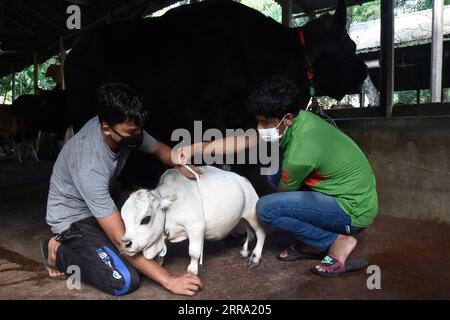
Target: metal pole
[362,98]
[13,85]
[436,51]
[35,73]
[286,13]
[387,55]
[62,54]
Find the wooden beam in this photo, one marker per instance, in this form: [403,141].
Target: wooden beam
[2,19]
[60,17]
[97,22]
[76,2]
[39,16]
[27,23]
[13,33]
[17,23]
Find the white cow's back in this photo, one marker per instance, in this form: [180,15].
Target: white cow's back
[225,196]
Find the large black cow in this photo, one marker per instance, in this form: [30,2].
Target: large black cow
[45,112]
[201,61]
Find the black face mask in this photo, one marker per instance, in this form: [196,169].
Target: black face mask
[131,142]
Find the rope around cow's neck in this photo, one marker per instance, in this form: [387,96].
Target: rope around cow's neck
[197,178]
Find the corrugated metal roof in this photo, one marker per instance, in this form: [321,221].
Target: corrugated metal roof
[410,29]
[302,6]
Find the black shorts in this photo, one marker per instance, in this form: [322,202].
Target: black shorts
[87,246]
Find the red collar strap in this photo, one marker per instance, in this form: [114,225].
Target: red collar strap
[309,67]
[301,37]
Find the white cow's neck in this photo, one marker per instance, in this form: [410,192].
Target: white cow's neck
[160,195]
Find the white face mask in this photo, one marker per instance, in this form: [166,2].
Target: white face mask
[271,134]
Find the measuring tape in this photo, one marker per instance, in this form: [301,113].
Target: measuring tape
[197,178]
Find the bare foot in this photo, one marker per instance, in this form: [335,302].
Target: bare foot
[341,249]
[53,246]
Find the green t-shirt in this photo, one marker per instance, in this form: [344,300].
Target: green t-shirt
[326,160]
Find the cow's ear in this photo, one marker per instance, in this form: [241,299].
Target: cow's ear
[340,16]
[143,195]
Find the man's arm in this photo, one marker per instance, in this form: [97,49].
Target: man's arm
[228,145]
[164,153]
[292,177]
[186,284]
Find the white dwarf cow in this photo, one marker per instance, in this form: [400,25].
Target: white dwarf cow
[179,209]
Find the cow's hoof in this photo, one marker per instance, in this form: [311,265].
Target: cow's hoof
[195,273]
[243,255]
[201,269]
[193,269]
[252,264]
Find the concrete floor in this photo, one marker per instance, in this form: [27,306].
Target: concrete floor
[413,256]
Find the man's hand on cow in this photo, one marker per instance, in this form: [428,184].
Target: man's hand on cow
[182,155]
[184,171]
[185,284]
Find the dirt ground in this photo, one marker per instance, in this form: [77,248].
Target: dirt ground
[412,255]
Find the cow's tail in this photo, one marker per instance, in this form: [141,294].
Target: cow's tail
[251,197]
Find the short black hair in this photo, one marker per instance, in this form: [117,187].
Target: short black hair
[118,102]
[275,98]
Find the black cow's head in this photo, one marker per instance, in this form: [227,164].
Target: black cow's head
[337,69]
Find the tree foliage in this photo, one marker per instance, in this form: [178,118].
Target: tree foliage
[269,8]
[24,81]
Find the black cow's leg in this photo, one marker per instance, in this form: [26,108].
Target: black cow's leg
[17,147]
[30,144]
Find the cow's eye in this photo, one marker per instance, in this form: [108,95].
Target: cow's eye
[146,220]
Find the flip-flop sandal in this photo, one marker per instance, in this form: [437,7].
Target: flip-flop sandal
[334,267]
[294,254]
[44,252]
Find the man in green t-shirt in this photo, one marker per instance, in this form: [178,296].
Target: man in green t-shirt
[327,189]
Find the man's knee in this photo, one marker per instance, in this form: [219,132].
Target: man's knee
[119,282]
[264,210]
[125,279]
[134,280]
[129,281]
